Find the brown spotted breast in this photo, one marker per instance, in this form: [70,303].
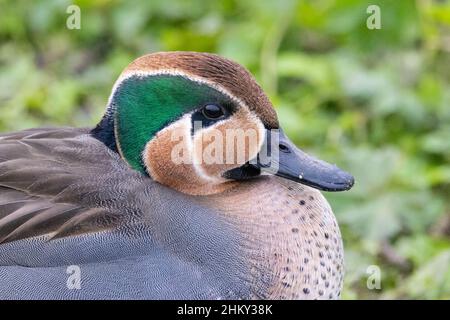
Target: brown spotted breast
[291,238]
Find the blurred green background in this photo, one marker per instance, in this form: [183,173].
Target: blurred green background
[377,102]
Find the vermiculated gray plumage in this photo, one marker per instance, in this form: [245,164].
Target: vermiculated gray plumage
[66,199]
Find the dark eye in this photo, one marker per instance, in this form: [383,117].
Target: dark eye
[213,111]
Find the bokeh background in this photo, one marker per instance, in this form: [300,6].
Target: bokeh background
[377,102]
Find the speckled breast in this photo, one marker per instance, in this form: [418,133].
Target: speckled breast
[291,238]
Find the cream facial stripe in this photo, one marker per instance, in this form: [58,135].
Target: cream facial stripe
[186,124]
[198,163]
[250,117]
[173,72]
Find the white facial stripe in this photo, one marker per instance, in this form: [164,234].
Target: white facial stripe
[261,129]
[185,120]
[197,163]
[186,127]
[173,72]
[190,145]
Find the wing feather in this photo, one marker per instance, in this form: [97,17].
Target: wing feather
[48,185]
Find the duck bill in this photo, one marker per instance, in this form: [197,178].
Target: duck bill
[279,156]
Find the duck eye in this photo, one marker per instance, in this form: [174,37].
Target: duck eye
[212,111]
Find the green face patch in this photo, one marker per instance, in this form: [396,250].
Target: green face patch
[144,105]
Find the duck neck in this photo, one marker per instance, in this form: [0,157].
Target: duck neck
[290,236]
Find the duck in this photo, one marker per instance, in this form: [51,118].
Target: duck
[143,207]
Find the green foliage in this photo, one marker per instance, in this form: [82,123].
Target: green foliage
[377,102]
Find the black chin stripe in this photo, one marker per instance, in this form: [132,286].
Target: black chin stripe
[243,172]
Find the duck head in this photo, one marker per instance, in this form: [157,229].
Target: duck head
[200,124]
